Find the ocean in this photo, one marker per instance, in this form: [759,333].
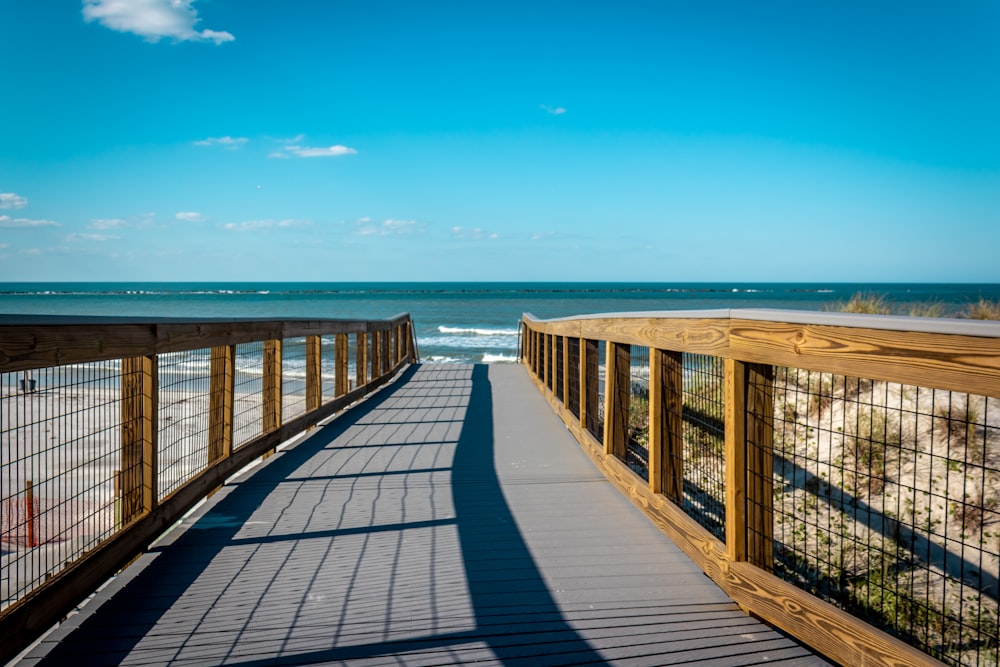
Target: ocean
[457,322]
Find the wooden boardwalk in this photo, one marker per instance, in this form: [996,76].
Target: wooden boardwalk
[450,519]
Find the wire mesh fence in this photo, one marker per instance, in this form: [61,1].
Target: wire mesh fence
[59,454]
[637,428]
[703,416]
[248,386]
[887,503]
[558,363]
[293,378]
[183,417]
[573,390]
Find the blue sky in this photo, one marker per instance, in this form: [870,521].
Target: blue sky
[633,141]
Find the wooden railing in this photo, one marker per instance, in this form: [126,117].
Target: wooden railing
[112,429]
[838,476]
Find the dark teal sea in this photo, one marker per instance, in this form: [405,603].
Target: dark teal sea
[456,321]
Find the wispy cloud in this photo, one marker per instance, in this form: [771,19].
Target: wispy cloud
[153,19]
[11,200]
[252,225]
[555,111]
[366,227]
[91,237]
[190,216]
[227,142]
[472,233]
[25,223]
[308,151]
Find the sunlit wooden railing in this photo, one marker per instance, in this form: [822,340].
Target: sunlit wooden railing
[836,475]
[111,429]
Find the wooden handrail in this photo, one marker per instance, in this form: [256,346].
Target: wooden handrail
[962,356]
[29,343]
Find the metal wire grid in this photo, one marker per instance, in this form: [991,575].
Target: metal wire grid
[183,417]
[59,451]
[558,366]
[703,417]
[637,432]
[328,367]
[248,392]
[293,378]
[573,391]
[887,503]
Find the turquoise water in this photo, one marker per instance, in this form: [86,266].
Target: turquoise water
[454,321]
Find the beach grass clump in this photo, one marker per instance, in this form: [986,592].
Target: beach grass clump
[932,309]
[984,309]
[865,303]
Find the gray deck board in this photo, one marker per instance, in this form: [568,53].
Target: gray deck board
[450,519]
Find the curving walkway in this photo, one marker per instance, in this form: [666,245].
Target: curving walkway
[450,519]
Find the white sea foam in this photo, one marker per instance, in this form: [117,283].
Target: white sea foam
[477,331]
[499,358]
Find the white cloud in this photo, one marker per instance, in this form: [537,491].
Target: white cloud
[25,223]
[11,200]
[555,111]
[389,227]
[190,216]
[251,225]
[227,142]
[308,151]
[91,237]
[152,19]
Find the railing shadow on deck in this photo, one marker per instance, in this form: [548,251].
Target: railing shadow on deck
[482,519]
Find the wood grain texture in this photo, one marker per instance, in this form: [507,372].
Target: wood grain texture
[341,380]
[271,386]
[314,372]
[26,346]
[221,388]
[942,361]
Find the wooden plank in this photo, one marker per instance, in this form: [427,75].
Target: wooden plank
[831,631]
[672,408]
[616,398]
[666,435]
[342,383]
[271,386]
[314,372]
[376,370]
[387,363]
[221,388]
[734,392]
[71,340]
[760,464]
[941,361]
[137,479]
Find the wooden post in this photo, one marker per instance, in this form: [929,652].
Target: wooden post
[760,465]
[736,461]
[749,414]
[29,515]
[272,386]
[384,355]
[138,480]
[314,372]
[340,377]
[361,359]
[616,398]
[666,434]
[220,416]
[584,389]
